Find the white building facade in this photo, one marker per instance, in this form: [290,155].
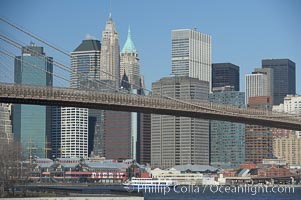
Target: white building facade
[256,85]
[191,54]
[74,132]
[6,135]
[291,105]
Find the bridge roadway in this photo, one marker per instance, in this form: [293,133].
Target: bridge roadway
[26,94]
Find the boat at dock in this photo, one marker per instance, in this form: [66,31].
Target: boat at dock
[146,183]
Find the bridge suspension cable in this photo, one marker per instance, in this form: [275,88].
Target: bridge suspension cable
[58,49]
[28,63]
[35,67]
[56,63]
[66,68]
[33,36]
[53,47]
[4,69]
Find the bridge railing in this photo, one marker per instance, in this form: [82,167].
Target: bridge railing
[28,91]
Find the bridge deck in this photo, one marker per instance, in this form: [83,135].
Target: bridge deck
[25,94]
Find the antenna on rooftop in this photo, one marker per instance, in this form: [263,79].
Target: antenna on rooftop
[110,7]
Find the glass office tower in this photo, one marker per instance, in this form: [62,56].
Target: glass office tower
[32,123]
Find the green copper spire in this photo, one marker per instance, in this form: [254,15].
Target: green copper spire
[129,46]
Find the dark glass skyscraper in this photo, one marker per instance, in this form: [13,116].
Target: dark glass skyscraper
[116,135]
[284,77]
[144,138]
[225,74]
[227,139]
[32,123]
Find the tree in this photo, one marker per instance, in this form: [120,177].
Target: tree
[10,159]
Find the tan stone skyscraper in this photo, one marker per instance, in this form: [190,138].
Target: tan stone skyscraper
[110,54]
[288,148]
[129,62]
[179,140]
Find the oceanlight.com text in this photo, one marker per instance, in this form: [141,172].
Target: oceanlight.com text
[222,189]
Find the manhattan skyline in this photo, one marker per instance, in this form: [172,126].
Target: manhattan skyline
[243,33]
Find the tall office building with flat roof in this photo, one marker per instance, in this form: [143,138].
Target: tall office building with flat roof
[225,74]
[74,132]
[179,140]
[284,72]
[269,72]
[259,139]
[191,54]
[85,62]
[227,149]
[288,148]
[144,139]
[32,123]
[116,134]
[70,134]
[256,85]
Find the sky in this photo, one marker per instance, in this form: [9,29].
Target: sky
[243,32]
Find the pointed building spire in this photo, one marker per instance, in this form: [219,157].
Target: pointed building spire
[129,46]
[110,15]
[110,53]
[110,26]
[129,33]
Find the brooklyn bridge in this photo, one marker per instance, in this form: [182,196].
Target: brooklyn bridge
[53,96]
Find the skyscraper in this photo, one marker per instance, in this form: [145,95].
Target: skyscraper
[31,123]
[85,62]
[191,54]
[287,143]
[179,140]
[74,132]
[6,135]
[86,74]
[69,124]
[227,149]
[130,67]
[112,129]
[288,148]
[269,72]
[117,135]
[144,139]
[56,128]
[225,74]
[259,139]
[129,62]
[110,54]
[256,85]
[284,71]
